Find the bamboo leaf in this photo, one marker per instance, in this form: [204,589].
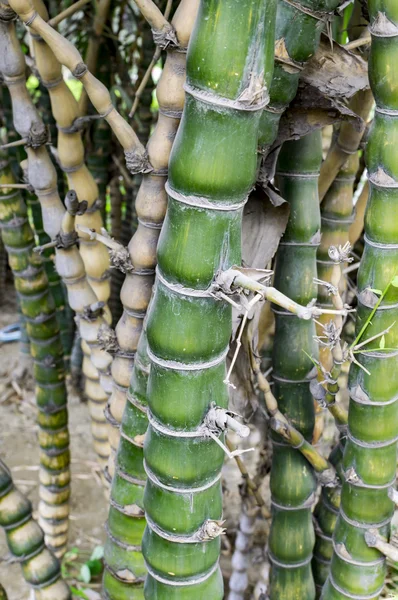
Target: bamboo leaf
[382,343]
[97,553]
[76,592]
[394,281]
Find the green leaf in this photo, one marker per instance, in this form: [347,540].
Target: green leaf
[382,343]
[97,553]
[79,593]
[95,566]
[85,573]
[378,292]
[394,281]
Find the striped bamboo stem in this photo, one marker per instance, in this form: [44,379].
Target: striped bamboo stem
[299,26]
[358,566]
[25,540]
[38,310]
[212,169]
[151,203]
[42,177]
[292,479]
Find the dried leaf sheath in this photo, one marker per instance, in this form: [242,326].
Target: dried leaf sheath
[292,479]
[38,309]
[369,462]
[25,541]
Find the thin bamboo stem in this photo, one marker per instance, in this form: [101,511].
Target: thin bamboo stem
[68,12]
[94,42]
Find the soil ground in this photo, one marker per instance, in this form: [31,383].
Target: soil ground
[19,449]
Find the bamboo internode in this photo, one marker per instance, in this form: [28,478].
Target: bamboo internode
[358,565]
[38,308]
[292,479]
[25,540]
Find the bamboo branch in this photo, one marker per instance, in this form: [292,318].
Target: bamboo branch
[69,56]
[68,12]
[163,32]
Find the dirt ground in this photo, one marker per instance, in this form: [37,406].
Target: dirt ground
[19,449]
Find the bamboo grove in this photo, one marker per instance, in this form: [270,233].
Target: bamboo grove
[288,104]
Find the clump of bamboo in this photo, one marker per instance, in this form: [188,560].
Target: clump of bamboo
[38,310]
[25,540]
[358,565]
[292,480]
[150,204]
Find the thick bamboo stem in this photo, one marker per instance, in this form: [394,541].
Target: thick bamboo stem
[188,329]
[38,309]
[25,540]
[358,568]
[292,479]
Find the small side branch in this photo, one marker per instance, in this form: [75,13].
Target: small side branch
[68,12]
[163,32]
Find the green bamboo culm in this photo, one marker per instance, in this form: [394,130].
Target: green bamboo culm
[336,218]
[38,310]
[299,26]
[187,329]
[358,569]
[57,288]
[292,479]
[25,541]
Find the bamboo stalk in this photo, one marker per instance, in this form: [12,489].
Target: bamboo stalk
[188,330]
[135,294]
[25,541]
[38,310]
[370,455]
[347,142]
[42,177]
[95,257]
[292,479]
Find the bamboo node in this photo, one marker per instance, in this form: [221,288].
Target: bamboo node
[29,21]
[93,311]
[7,14]
[219,419]
[211,530]
[107,339]
[166,37]
[73,206]
[137,162]
[38,135]
[80,70]
[341,254]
